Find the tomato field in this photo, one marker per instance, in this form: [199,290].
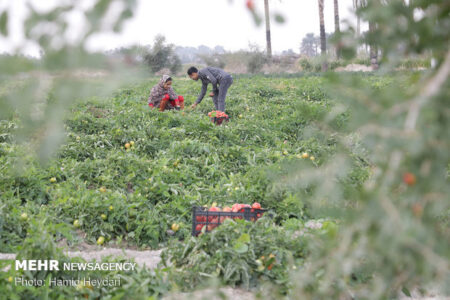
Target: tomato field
[128,176]
[176,160]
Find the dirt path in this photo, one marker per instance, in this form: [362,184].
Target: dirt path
[354,68]
[147,258]
[213,294]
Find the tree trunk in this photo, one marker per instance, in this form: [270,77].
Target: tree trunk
[336,26]
[358,26]
[323,40]
[268,38]
[356,5]
[373,48]
[358,33]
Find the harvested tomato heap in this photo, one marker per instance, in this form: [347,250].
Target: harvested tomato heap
[214,216]
[217,114]
[218,117]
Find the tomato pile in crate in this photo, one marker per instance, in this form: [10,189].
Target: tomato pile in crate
[218,117]
[212,217]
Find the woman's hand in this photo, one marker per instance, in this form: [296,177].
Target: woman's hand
[193,106]
[211,94]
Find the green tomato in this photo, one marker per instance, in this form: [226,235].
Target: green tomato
[100,240]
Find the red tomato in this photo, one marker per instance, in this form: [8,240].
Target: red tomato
[409,178]
[250,4]
[244,206]
[256,205]
[210,218]
[236,207]
[214,223]
[199,227]
[226,209]
[201,219]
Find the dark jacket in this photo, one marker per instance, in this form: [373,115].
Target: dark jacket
[210,75]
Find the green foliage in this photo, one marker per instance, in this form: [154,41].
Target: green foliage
[366,218]
[310,65]
[14,64]
[392,235]
[415,63]
[238,253]
[255,60]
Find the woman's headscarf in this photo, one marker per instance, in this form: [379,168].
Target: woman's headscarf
[164,79]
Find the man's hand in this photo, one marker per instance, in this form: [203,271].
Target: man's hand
[193,106]
[211,94]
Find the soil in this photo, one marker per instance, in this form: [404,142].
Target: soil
[213,294]
[354,68]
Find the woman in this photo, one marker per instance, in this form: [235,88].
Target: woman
[163,96]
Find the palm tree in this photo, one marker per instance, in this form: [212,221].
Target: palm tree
[336,25]
[356,5]
[268,39]
[323,40]
[372,28]
[373,47]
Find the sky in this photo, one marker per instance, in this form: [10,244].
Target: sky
[196,22]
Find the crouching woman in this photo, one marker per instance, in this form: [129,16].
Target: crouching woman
[163,96]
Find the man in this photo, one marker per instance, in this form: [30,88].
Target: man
[220,81]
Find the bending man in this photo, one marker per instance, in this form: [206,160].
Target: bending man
[220,81]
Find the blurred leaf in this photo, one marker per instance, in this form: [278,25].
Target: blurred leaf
[279,18]
[240,247]
[244,238]
[406,292]
[4,23]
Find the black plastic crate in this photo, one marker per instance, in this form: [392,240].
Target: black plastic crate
[202,217]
